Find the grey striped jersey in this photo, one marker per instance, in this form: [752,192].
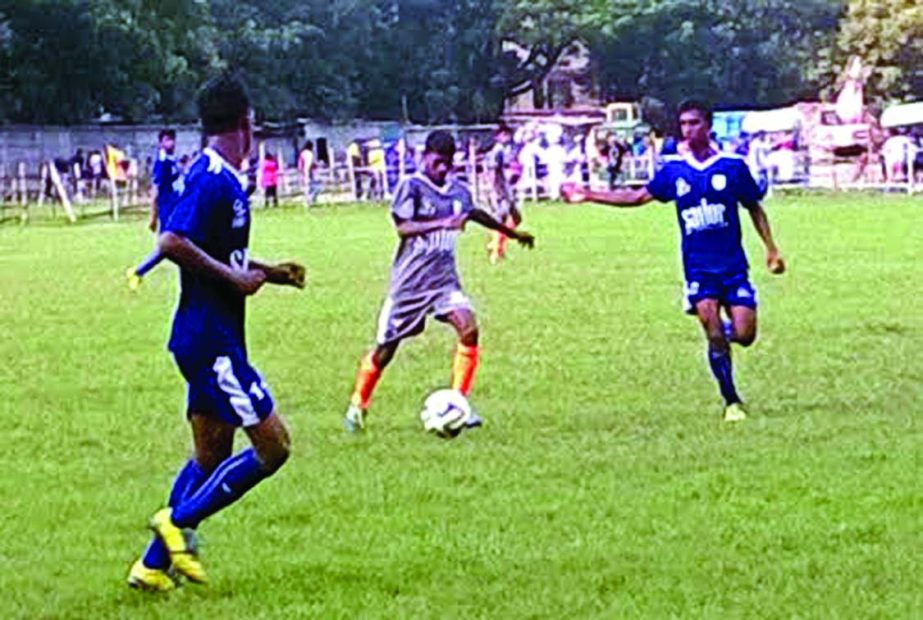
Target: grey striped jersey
[426,263]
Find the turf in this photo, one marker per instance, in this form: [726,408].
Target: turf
[603,485]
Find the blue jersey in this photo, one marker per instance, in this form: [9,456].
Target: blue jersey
[213,212]
[168,179]
[707,195]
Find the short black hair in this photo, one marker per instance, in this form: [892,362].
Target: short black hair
[695,104]
[309,144]
[222,102]
[503,128]
[166,133]
[441,142]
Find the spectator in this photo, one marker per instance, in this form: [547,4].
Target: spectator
[758,160]
[77,165]
[307,164]
[897,152]
[270,179]
[616,155]
[555,161]
[576,162]
[97,167]
[376,156]
[354,157]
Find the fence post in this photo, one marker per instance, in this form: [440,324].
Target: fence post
[351,172]
[62,192]
[43,183]
[401,164]
[114,199]
[23,188]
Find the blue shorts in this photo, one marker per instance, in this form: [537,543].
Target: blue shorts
[226,386]
[729,289]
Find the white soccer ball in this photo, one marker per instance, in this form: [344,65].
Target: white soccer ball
[445,413]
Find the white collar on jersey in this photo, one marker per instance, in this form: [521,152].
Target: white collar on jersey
[162,155]
[217,163]
[444,190]
[704,165]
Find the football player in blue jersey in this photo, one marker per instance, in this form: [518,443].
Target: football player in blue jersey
[707,187]
[166,186]
[207,236]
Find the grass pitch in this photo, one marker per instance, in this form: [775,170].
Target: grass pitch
[602,486]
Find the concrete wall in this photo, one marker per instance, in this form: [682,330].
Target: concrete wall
[33,144]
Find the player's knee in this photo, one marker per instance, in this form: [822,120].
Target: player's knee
[275,456]
[208,461]
[468,335]
[745,339]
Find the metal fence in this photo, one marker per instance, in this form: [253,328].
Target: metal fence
[44,190]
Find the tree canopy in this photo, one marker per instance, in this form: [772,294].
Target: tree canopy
[67,61]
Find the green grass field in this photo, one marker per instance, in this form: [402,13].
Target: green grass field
[604,484]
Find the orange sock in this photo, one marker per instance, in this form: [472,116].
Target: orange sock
[464,366]
[366,378]
[500,248]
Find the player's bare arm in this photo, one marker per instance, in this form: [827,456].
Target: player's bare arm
[774,261]
[285,274]
[187,255]
[408,228]
[516,214]
[152,222]
[486,220]
[619,197]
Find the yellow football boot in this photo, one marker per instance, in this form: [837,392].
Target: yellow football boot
[183,557]
[735,412]
[134,280]
[149,579]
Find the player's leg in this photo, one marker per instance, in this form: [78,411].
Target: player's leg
[370,368]
[233,394]
[719,355]
[230,481]
[239,473]
[743,325]
[465,360]
[511,220]
[213,441]
[399,318]
[492,235]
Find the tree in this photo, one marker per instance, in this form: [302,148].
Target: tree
[535,33]
[735,54]
[154,53]
[888,36]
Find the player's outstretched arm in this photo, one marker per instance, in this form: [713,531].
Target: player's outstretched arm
[285,274]
[486,220]
[187,255]
[621,197]
[773,257]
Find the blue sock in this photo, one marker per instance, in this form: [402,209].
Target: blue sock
[728,328]
[227,484]
[720,362]
[189,479]
[149,263]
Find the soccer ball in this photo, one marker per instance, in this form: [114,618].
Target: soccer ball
[445,413]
